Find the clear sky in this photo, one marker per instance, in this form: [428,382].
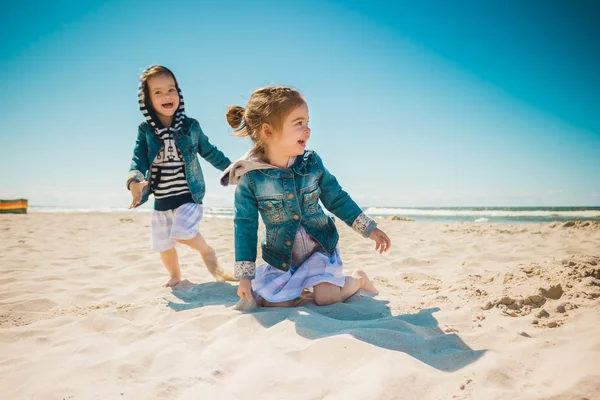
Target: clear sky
[428,103]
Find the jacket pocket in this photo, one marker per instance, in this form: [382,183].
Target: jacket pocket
[271,209]
[310,200]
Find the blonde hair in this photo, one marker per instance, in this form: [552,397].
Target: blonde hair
[270,105]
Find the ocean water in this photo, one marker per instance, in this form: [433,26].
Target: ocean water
[489,214]
[432,214]
[220,212]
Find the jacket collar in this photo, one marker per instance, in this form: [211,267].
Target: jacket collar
[299,166]
[250,162]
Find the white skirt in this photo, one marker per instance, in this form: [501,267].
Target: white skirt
[181,223]
[276,286]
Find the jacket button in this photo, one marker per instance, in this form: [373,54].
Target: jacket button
[288,243]
[313,195]
[270,204]
[290,196]
[284,265]
[296,217]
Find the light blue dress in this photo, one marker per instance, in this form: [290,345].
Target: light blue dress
[310,266]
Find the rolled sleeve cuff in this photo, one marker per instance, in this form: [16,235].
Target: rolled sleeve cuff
[364,225]
[244,269]
[134,175]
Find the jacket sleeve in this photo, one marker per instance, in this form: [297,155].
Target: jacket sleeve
[245,224]
[139,162]
[339,202]
[210,153]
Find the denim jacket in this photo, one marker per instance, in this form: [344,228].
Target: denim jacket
[287,199]
[191,141]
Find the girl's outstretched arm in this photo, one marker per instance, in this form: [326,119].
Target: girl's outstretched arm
[339,202]
[139,161]
[210,153]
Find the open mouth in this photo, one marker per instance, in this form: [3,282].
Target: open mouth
[168,106]
[302,142]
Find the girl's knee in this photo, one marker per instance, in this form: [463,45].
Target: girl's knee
[196,238]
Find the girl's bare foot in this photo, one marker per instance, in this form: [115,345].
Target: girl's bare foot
[365,283]
[172,282]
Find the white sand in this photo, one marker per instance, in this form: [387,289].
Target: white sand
[83,316]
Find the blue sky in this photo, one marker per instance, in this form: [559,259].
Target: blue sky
[431,103]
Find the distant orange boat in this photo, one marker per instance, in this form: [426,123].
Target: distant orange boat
[18,206]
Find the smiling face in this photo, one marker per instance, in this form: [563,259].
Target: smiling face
[163,96]
[291,140]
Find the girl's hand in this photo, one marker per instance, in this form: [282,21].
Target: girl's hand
[383,242]
[136,192]
[245,290]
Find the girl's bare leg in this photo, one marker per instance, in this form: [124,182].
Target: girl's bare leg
[171,263]
[209,256]
[365,282]
[198,243]
[326,293]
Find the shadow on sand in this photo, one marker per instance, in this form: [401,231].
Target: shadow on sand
[364,317]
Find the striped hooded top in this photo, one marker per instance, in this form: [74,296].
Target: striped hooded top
[167,174]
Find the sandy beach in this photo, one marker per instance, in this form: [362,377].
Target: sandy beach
[466,311]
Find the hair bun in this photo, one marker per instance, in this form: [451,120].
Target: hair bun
[235,116]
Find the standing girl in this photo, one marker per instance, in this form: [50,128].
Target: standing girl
[283,182]
[165,164]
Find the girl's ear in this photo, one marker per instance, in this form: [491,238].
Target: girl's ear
[267,130]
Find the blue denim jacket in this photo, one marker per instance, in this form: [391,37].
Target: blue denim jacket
[287,199]
[191,141]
